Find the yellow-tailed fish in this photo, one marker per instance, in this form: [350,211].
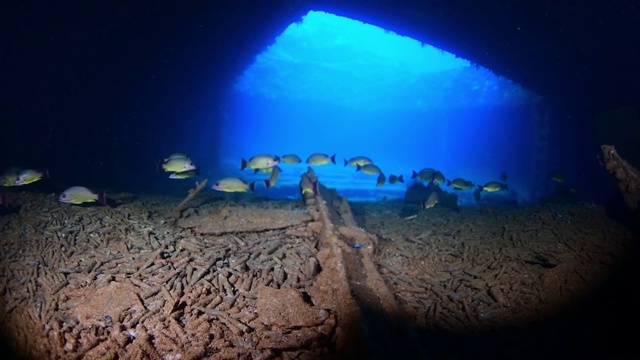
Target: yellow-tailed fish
[381,179]
[321,159]
[30,176]
[370,169]
[260,161]
[393,179]
[268,170]
[438,178]
[493,186]
[9,176]
[290,159]
[460,184]
[275,174]
[557,177]
[4,201]
[176,156]
[476,195]
[179,164]
[233,184]
[308,186]
[80,195]
[358,160]
[425,174]
[184,174]
[431,201]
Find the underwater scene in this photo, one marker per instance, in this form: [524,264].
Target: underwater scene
[351,193]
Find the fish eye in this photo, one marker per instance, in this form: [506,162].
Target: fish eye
[63,195]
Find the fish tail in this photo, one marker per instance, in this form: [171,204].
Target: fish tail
[401,179]
[414,174]
[243,165]
[45,173]
[480,187]
[252,186]
[267,183]
[448,182]
[333,158]
[159,166]
[358,167]
[102,198]
[346,162]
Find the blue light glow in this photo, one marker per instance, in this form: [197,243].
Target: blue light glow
[335,85]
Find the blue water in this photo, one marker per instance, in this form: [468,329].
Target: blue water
[337,86]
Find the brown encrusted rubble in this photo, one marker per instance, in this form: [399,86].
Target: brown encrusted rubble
[244,219]
[285,309]
[105,283]
[627,175]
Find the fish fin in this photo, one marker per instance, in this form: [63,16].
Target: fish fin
[414,174]
[448,182]
[316,188]
[102,198]
[45,173]
[333,158]
[255,171]
[401,179]
[243,165]
[252,186]
[267,183]
[358,167]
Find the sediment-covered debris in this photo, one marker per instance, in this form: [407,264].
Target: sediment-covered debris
[281,279]
[627,175]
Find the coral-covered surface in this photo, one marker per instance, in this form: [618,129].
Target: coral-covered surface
[315,280]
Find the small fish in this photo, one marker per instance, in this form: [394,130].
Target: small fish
[184,174]
[308,186]
[275,174]
[432,200]
[355,245]
[176,165]
[321,159]
[233,184]
[504,176]
[476,195]
[175,156]
[290,159]
[9,176]
[358,160]
[438,178]
[393,179]
[460,184]
[268,170]
[425,174]
[30,176]
[260,161]
[381,179]
[370,169]
[557,177]
[80,195]
[493,186]
[4,201]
